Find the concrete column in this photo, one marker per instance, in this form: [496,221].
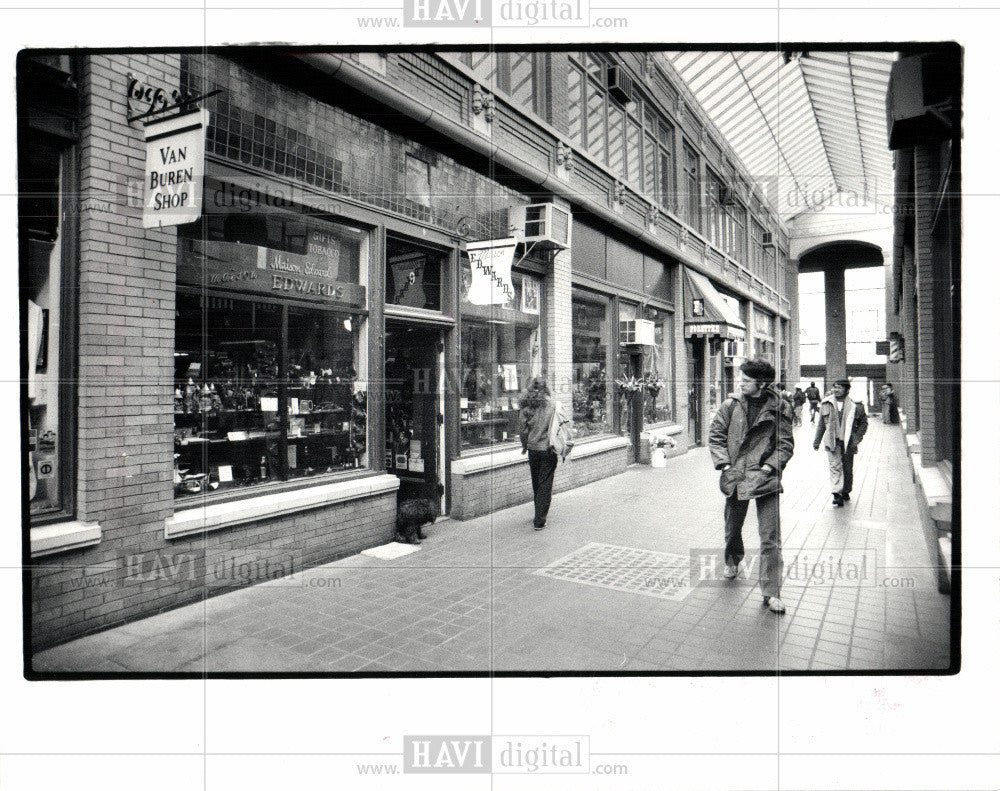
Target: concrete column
[751,352]
[836,324]
[792,294]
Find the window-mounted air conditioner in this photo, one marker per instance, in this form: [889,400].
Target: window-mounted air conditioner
[734,348]
[544,225]
[768,240]
[727,195]
[620,85]
[635,332]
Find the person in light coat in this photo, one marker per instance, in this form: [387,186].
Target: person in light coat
[751,441]
[842,425]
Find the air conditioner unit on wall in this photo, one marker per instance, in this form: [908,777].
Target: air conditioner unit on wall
[636,332]
[544,225]
[620,85]
[923,94]
[727,195]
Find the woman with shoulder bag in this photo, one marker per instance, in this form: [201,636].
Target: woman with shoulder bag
[538,413]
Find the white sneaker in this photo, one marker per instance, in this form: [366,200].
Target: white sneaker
[774,604]
[731,572]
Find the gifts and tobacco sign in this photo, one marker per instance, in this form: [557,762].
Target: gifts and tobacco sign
[491,261]
[175,169]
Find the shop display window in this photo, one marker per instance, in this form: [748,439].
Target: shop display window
[501,351]
[592,363]
[270,376]
[244,415]
[47,284]
[658,369]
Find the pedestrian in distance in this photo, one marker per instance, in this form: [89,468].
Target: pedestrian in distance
[798,401]
[546,435]
[842,425]
[890,408]
[750,441]
[814,397]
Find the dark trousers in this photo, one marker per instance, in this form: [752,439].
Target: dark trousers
[771,565]
[848,469]
[543,469]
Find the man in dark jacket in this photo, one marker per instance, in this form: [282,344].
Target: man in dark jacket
[842,425]
[750,440]
[814,396]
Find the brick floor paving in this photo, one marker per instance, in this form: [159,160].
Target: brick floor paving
[471,599]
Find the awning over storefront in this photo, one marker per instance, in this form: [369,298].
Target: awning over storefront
[706,312]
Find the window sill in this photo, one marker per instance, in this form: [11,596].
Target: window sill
[221,515]
[508,457]
[63,537]
[669,429]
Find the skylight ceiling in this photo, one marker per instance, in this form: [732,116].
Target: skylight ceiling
[807,128]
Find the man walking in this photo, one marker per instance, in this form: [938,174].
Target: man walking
[842,426]
[813,394]
[750,440]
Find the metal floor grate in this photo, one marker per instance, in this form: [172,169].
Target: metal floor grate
[662,575]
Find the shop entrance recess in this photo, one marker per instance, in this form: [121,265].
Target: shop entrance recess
[695,378]
[414,409]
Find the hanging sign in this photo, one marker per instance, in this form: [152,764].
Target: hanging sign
[491,261]
[175,170]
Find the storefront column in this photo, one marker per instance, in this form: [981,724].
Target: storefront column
[926,192]
[559,328]
[836,322]
[751,332]
[680,368]
[125,435]
[792,293]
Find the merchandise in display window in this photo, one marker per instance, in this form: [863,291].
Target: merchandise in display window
[501,351]
[658,373]
[244,416]
[270,380]
[592,362]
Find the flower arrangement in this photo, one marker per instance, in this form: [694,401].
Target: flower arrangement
[629,384]
[662,441]
[633,384]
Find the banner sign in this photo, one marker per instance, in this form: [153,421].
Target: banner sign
[491,262]
[175,170]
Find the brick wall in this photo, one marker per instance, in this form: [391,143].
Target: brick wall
[926,192]
[125,399]
[484,492]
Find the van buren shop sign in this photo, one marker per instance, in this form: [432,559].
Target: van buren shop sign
[261,270]
[175,170]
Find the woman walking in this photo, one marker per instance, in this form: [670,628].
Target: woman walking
[537,412]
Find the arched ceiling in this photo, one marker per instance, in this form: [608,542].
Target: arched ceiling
[806,125]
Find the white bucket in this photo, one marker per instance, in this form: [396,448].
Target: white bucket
[657,458]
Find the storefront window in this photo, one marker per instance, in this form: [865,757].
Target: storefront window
[501,351]
[592,361]
[43,247]
[270,376]
[658,369]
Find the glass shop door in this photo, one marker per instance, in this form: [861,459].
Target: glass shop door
[414,409]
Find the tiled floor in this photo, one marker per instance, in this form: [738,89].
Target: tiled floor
[472,599]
